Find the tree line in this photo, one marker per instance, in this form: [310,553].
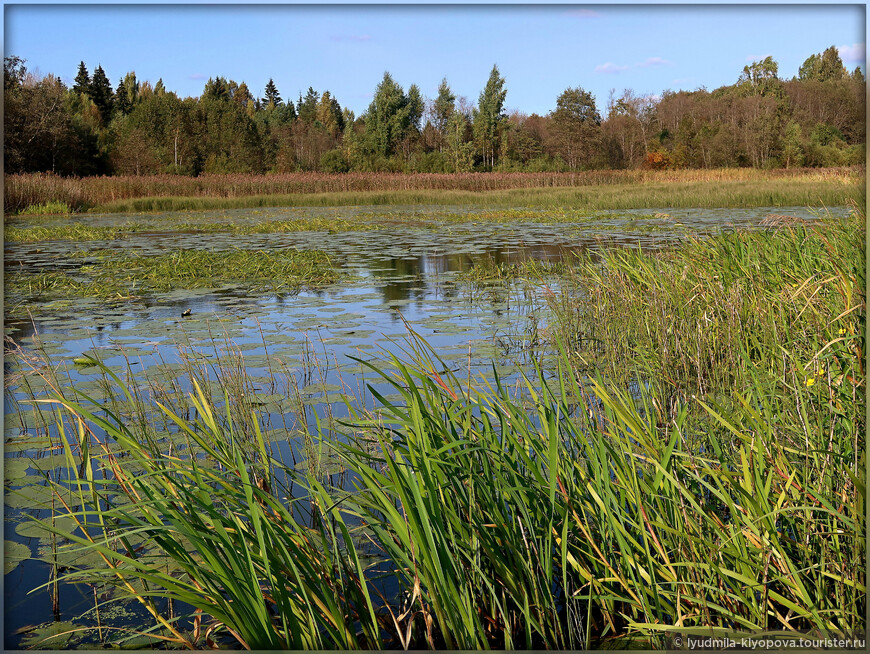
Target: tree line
[136,128]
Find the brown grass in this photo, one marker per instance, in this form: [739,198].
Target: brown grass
[22,191]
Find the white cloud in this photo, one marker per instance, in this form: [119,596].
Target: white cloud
[754,58]
[198,76]
[610,68]
[855,53]
[654,61]
[583,13]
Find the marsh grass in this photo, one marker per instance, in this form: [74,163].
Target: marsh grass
[670,194]
[74,232]
[119,274]
[579,521]
[488,270]
[82,232]
[632,490]
[46,208]
[591,189]
[703,316]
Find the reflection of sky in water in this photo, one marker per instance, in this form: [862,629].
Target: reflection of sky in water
[404,272]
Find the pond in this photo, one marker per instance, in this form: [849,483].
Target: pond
[298,352]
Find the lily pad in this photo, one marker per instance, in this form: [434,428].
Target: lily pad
[13,554]
[15,469]
[34,529]
[53,635]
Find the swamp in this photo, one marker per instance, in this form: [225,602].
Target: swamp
[451,424]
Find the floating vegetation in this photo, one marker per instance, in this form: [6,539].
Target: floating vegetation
[126,275]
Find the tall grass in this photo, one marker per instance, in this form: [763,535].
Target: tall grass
[574,523]
[583,509]
[169,192]
[704,316]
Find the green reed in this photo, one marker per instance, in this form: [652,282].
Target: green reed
[681,491]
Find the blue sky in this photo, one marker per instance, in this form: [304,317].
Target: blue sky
[540,50]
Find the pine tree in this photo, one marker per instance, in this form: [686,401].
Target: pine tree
[83,80]
[126,94]
[101,93]
[215,89]
[121,104]
[329,114]
[272,96]
[307,107]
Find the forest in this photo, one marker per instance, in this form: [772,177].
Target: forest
[815,119]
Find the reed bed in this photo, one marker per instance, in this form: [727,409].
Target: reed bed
[566,522]
[706,316]
[717,492]
[169,192]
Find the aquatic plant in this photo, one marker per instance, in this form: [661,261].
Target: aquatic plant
[567,517]
[674,471]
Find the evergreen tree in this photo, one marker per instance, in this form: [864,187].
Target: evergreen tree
[242,95]
[82,80]
[443,106]
[387,118]
[307,107]
[215,89]
[415,107]
[121,104]
[329,114]
[488,117]
[126,94]
[101,93]
[272,96]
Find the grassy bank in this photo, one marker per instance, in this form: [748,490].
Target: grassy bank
[591,190]
[693,463]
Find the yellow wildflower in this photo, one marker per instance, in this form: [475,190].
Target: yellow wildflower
[811,381]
